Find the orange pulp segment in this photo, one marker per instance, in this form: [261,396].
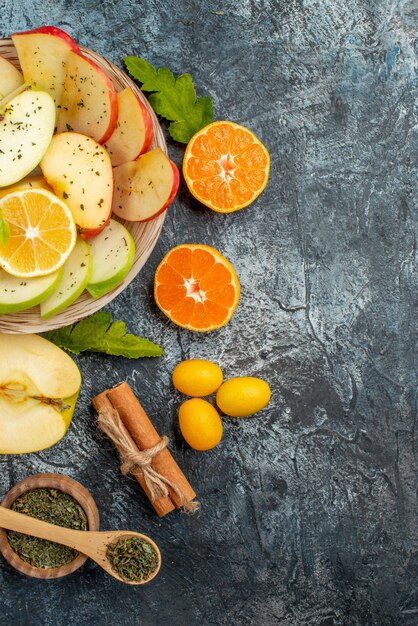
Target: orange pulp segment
[225,166]
[42,233]
[196,287]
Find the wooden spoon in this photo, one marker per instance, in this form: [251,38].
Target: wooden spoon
[93,544]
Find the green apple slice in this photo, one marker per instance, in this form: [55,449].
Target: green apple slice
[26,127]
[39,385]
[113,252]
[74,279]
[19,294]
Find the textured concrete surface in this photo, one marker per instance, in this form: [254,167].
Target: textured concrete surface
[309,509]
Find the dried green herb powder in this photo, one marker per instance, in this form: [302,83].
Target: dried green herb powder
[55,507]
[132,558]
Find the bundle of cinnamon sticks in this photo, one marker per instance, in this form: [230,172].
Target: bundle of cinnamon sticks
[122,417]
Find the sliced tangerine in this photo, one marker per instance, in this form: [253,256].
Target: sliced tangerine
[42,233]
[225,166]
[196,287]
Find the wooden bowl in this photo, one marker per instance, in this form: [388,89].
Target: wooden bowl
[61,483]
[145,234]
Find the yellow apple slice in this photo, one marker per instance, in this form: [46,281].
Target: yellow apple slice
[28,427]
[26,128]
[39,385]
[80,172]
[10,77]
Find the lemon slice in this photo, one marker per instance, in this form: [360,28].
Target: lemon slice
[42,233]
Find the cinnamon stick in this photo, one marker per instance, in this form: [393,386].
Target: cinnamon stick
[145,436]
[163,504]
[137,428]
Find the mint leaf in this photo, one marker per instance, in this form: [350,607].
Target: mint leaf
[201,116]
[173,103]
[144,72]
[173,99]
[4,231]
[98,333]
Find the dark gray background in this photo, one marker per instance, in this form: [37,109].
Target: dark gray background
[308,509]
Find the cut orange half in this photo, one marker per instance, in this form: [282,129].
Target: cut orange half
[42,233]
[196,287]
[225,166]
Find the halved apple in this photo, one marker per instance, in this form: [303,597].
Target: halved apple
[26,126]
[89,103]
[10,77]
[112,254]
[133,132]
[43,55]
[19,294]
[74,279]
[144,188]
[39,385]
[80,172]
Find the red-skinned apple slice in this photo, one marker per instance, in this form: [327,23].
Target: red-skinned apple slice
[133,132]
[89,103]
[43,54]
[144,188]
[79,171]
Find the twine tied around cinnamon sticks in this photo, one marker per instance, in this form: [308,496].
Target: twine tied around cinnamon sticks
[133,459]
[121,417]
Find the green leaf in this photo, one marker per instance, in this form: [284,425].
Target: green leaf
[4,231]
[143,72]
[173,99]
[177,102]
[98,333]
[201,116]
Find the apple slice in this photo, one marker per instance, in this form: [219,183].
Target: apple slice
[112,254]
[133,132]
[80,172]
[26,127]
[144,188]
[19,294]
[89,103]
[74,279]
[39,385]
[43,55]
[10,77]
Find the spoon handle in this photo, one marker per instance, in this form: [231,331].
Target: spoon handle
[91,543]
[11,520]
